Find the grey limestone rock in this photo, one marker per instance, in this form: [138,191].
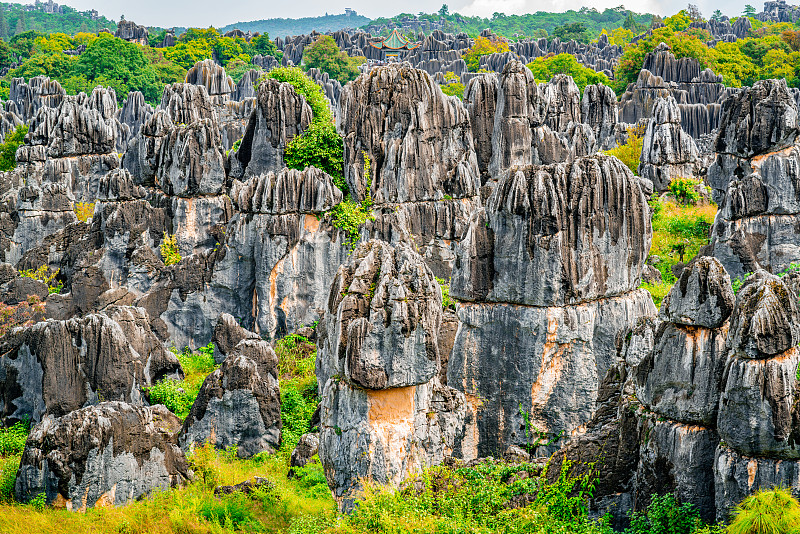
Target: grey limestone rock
[669,152]
[682,377]
[228,334]
[55,367]
[679,459]
[103,455]
[383,313]
[211,76]
[737,476]
[132,32]
[280,115]
[280,252]
[703,296]
[239,403]
[585,223]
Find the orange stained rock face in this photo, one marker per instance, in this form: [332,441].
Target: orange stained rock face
[391,406]
[391,420]
[311,223]
[551,368]
[752,469]
[759,160]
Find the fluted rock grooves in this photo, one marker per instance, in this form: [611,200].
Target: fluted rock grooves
[543,239]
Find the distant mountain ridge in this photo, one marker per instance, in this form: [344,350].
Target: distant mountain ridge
[284,27]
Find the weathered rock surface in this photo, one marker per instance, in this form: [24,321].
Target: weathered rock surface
[703,296]
[585,223]
[55,367]
[756,182]
[382,316]
[384,413]
[280,115]
[104,455]
[669,152]
[280,254]
[239,403]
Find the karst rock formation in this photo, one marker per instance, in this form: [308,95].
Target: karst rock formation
[507,195]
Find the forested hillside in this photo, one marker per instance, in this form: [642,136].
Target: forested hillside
[539,24]
[14,19]
[284,27]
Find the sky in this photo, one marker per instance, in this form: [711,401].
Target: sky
[204,13]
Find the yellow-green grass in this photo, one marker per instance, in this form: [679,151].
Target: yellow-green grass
[676,227]
[185,510]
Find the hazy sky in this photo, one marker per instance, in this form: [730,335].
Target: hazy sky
[203,13]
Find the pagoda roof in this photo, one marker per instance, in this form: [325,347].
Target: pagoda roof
[395,41]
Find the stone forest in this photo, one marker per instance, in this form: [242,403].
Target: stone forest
[405,277]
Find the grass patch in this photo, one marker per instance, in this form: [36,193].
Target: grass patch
[299,392]
[179,395]
[193,509]
[679,232]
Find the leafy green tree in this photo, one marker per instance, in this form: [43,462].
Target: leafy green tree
[483,46]
[749,11]
[8,150]
[574,31]
[453,86]
[262,45]
[53,64]
[119,64]
[187,53]
[320,145]
[444,11]
[717,15]
[544,68]
[325,55]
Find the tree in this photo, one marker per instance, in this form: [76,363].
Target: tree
[575,31]
[544,68]
[444,11]
[3,23]
[483,46]
[325,55]
[694,13]
[8,149]
[20,24]
[749,11]
[717,15]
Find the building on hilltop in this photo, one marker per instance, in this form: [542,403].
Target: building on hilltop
[394,45]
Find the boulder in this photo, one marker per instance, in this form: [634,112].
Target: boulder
[703,296]
[55,367]
[239,403]
[228,334]
[103,455]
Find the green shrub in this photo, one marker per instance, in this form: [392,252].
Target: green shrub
[169,250]
[447,302]
[350,216]
[311,478]
[630,152]
[179,395]
[665,515]
[685,190]
[170,393]
[772,511]
[298,404]
[204,462]
[8,475]
[320,145]
[231,511]
[453,86]
[42,274]
[8,150]
[201,361]
[12,439]
[658,291]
